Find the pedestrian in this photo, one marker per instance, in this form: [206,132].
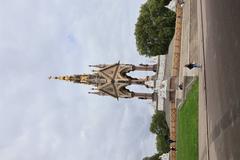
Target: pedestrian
[171,141]
[180,86]
[193,65]
[172,149]
[181,3]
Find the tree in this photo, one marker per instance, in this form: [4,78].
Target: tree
[159,125]
[162,145]
[154,28]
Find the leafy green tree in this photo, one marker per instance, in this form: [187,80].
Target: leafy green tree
[159,125]
[155,28]
[162,145]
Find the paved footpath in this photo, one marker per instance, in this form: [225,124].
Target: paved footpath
[203,131]
[189,42]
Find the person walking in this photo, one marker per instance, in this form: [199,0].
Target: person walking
[180,86]
[181,3]
[193,65]
[171,141]
[172,149]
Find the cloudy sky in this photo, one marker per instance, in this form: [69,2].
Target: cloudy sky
[55,120]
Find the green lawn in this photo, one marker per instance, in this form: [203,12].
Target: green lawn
[187,132]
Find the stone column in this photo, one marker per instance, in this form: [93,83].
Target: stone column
[145,67]
[144,95]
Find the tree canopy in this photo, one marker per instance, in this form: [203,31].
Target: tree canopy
[160,127]
[154,28]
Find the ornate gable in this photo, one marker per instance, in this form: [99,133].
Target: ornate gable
[110,89]
[110,72]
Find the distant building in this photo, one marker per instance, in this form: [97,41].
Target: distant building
[164,156]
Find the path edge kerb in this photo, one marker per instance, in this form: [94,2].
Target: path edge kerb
[203,121]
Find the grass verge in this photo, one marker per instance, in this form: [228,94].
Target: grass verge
[187,131]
